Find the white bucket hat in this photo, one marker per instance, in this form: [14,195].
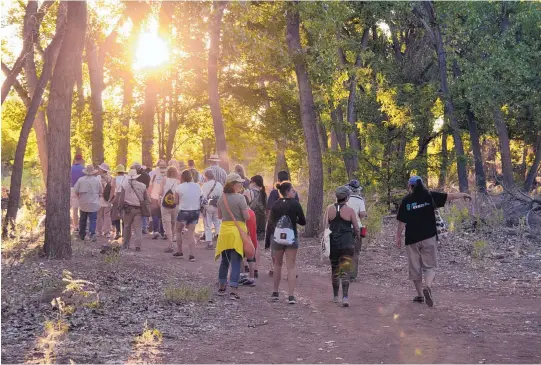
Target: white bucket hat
[132,174]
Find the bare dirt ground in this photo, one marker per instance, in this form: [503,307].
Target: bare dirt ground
[486,310]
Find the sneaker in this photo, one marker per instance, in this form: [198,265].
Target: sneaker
[418,299]
[335,299]
[345,302]
[256,274]
[138,249]
[145,231]
[210,246]
[249,282]
[291,300]
[428,297]
[168,250]
[164,237]
[191,258]
[234,296]
[221,292]
[155,236]
[179,255]
[271,273]
[242,280]
[275,296]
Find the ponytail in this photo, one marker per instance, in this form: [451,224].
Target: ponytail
[284,187]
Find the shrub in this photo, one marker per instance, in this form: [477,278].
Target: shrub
[186,293]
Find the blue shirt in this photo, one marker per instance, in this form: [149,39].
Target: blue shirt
[76,173]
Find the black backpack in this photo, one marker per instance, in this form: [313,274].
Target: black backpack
[107,192]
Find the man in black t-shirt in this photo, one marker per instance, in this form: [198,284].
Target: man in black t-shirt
[416,213]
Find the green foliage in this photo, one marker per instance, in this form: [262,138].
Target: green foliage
[374,222]
[186,293]
[479,249]
[149,336]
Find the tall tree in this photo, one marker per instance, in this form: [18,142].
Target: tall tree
[215,27]
[534,169]
[433,28]
[308,119]
[17,174]
[152,88]
[57,222]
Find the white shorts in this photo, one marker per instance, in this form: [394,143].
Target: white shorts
[74,201]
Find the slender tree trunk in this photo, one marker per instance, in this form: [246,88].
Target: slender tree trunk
[353,136]
[173,127]
[523,165]
[434,29]
[17,172]
[57,223]
[95,70]
[334,141]
[308,118]
[444,161]
[281,162]
[147,119]
[480,179]
[505,150]
[214,95]
[127,98]
[533,172]
[337,116]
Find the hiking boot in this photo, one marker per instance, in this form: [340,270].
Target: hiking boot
[242,280]
[179,255]
[335,299]
[345,302]
[164,237]
[428,297]
[249,282]
[138,249]
[291,300]
[191,258]
[275,296]
[155,236]
[418,299]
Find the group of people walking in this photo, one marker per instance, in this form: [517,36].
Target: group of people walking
[240,217]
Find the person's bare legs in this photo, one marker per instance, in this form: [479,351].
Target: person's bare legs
[189,238]
[75,217]
[179,228]
[278,260]
[430,274]
[291,257]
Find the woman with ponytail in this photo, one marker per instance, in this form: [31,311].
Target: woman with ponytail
[417,214]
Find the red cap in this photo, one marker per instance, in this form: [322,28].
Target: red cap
[78,157]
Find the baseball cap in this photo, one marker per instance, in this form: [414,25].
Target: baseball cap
[342,193]
[413,180]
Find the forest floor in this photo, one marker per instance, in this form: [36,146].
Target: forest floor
[486,310]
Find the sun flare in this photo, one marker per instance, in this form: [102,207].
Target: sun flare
[152,51]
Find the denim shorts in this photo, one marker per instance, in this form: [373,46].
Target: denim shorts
[188,216]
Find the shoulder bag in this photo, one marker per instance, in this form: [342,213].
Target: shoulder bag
[205,201]
[248,246]
[144,203]
[441,226]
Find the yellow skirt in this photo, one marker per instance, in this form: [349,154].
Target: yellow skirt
[229,238]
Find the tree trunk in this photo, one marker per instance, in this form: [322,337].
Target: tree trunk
[215,27]
[532,173]
[173,127]
[281,162]
[505,150]
[434,29]
[444,161]
[18,163]
[95,71]
[334,142]
[127,98]
[337,116]
[147,119]
[480,179]
[308,119]
[353,136]
[57,222]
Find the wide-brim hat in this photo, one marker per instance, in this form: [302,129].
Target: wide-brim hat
[89,170]
[215,158]
[104,167]
[234,177]
[120,168]
[132,174]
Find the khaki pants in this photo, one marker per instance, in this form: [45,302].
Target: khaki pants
[132,219]
[422,255]
[169,218]
[104,220]
[211,219]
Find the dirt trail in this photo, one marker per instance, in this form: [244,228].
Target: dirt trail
[382,325]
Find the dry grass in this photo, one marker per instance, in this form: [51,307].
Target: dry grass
[187,293]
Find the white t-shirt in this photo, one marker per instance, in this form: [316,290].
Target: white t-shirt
[189,195]
[356,203]
[216,192]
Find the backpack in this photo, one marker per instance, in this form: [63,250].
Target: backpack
[283,232]
[168,200]
[107,192]
[259,209]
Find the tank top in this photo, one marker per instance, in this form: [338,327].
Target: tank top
[341,231]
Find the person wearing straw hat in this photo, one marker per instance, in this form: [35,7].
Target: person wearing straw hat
[88,190]
[219,173]
[103,224]
[116,187]
[134,193]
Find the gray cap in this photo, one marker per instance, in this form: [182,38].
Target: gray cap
[342,193]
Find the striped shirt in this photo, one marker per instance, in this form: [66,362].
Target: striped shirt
[219,174]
